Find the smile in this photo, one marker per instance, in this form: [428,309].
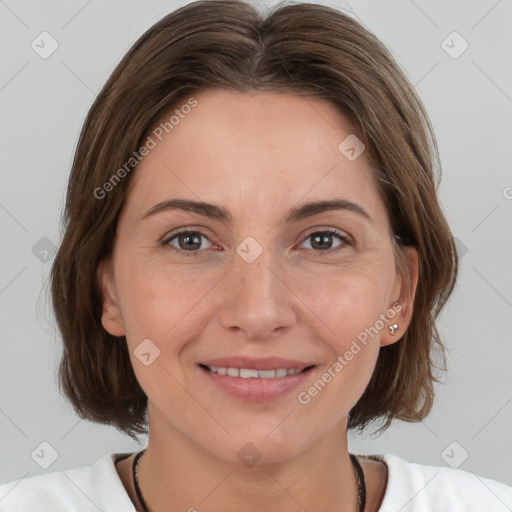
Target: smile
[249,373]
[256,380]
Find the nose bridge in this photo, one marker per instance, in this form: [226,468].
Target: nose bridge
[259,303]
[255,266]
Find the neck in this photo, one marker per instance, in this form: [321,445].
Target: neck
[175,475]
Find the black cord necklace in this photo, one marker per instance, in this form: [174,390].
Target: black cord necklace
[361,486]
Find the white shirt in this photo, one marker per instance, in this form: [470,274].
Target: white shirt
[411,487]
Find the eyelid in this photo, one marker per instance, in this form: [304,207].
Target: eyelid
[344,237]
[304,234]
[323,229]
[173,235]
[187,229]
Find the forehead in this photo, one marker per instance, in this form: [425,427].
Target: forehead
[252,147]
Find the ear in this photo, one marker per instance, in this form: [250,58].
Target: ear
[111,318]
[404,290]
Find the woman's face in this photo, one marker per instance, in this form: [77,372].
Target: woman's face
[254,280]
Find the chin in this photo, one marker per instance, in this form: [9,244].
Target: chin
[260,448]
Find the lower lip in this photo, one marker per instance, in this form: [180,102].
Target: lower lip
[257,390]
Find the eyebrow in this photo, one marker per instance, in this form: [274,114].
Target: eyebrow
[222,214]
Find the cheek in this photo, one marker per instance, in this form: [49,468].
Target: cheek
[158,301]
[349,301]
[350,307]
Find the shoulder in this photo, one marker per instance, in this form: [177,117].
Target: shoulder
[414,487]
[84,489]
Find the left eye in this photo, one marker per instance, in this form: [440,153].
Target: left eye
[322,238]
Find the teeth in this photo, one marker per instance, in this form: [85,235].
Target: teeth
[248,373]
[233,372]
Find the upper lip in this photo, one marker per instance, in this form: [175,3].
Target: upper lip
[256,363]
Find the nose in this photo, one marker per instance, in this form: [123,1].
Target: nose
[260,303]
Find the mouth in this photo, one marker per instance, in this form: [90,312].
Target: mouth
[256,380]
[251,373]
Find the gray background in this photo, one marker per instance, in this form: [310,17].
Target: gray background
[43,103]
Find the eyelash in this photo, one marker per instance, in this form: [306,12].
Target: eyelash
[332,232]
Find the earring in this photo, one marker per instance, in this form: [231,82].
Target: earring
[393,328]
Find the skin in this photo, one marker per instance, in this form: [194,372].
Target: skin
[258,155]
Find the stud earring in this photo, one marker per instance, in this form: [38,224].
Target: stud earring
[393,328]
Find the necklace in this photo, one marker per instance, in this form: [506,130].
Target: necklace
[361,486]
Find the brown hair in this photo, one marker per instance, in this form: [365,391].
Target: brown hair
[300,48]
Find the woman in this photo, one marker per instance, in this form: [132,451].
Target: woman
[253,261]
